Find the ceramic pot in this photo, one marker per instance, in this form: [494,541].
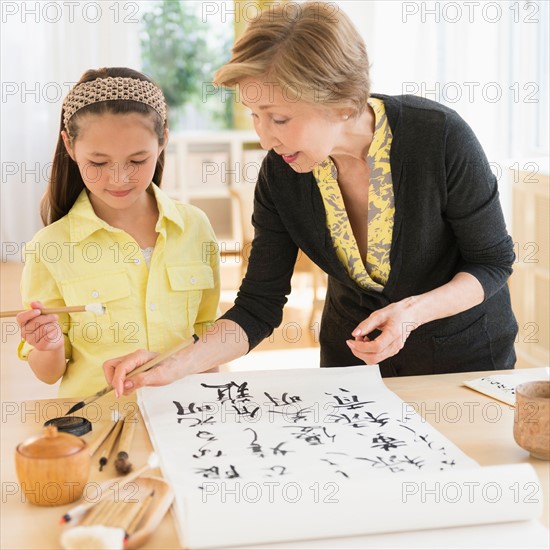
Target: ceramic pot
[532,418]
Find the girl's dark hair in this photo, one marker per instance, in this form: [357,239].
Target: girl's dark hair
[65,183]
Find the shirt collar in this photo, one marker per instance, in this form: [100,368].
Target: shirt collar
[167,210]
[83,221]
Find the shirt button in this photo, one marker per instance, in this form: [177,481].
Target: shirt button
[192,280]
[136,260]
[95,294]
[152,307]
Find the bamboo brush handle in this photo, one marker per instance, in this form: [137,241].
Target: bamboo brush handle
[162,356]
[142,510]
[115,513]
[94,513]
[97,442]
[110,441]
[45,310]
[127,435]
[128,514]
[150,364]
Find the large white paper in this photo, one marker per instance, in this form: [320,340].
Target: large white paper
[267,456]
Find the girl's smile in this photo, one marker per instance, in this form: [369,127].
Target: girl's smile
[116,155]
[119,193]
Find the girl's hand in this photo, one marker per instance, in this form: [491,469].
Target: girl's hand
[395,322]
[40,331]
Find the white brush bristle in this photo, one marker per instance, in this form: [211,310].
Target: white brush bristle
[98,309]
[97,537]
[153,461]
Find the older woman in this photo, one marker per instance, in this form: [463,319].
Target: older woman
[392,197]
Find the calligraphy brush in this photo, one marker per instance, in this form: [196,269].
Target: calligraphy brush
[110,443]
[130,529]
[122,463]
[98,309]
[94,445]
[145,367]
[94,515]
[104,533]
[78,511]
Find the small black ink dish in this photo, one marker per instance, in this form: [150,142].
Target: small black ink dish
[76,425]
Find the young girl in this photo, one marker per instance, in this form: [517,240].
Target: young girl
[113,237]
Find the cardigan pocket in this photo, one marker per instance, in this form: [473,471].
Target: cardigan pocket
[187,283]
[467,350]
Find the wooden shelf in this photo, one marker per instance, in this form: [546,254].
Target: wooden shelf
[201,166]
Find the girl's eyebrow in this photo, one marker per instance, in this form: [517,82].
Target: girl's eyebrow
[98,154]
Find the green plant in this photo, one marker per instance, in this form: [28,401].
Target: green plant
[179,54]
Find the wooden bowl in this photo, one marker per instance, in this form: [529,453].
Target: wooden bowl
[53,467]
[532,418]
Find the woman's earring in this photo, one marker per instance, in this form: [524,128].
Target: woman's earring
[345,117]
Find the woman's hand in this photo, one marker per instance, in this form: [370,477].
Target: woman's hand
[40,331]
[224,341]
[398,320]
[395,322]
[166,372]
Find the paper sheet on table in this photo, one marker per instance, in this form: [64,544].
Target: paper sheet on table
[503,386]
[300,510]
[267,456]
[527,535]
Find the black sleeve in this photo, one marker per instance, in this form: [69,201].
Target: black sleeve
[259,304]
[473,209]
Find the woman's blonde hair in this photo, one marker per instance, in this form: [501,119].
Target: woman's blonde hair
[311,48]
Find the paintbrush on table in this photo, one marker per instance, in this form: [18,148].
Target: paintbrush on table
[98,309]
[122,463]
[113,527]
[79,510]
[95,514]
[110,443]
[133,523]
[145,367]
[94,445]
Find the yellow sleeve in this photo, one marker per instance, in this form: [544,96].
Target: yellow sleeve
[38,283]
[24,348]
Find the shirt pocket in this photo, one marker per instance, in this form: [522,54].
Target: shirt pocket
[187,283]
[110,288]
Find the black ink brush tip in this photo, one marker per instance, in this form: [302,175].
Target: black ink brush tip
[88,400]
[75,408]
[102,462]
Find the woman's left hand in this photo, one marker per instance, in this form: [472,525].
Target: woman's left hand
[395,322]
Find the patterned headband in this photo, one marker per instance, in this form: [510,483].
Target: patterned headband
[107,89]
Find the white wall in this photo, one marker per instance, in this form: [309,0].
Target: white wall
[441,50]
[45,48]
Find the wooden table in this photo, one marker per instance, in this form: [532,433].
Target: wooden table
[480,426]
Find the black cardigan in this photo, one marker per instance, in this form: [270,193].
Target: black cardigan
[447,219]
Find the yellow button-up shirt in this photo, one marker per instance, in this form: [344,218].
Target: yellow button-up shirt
[80,259]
